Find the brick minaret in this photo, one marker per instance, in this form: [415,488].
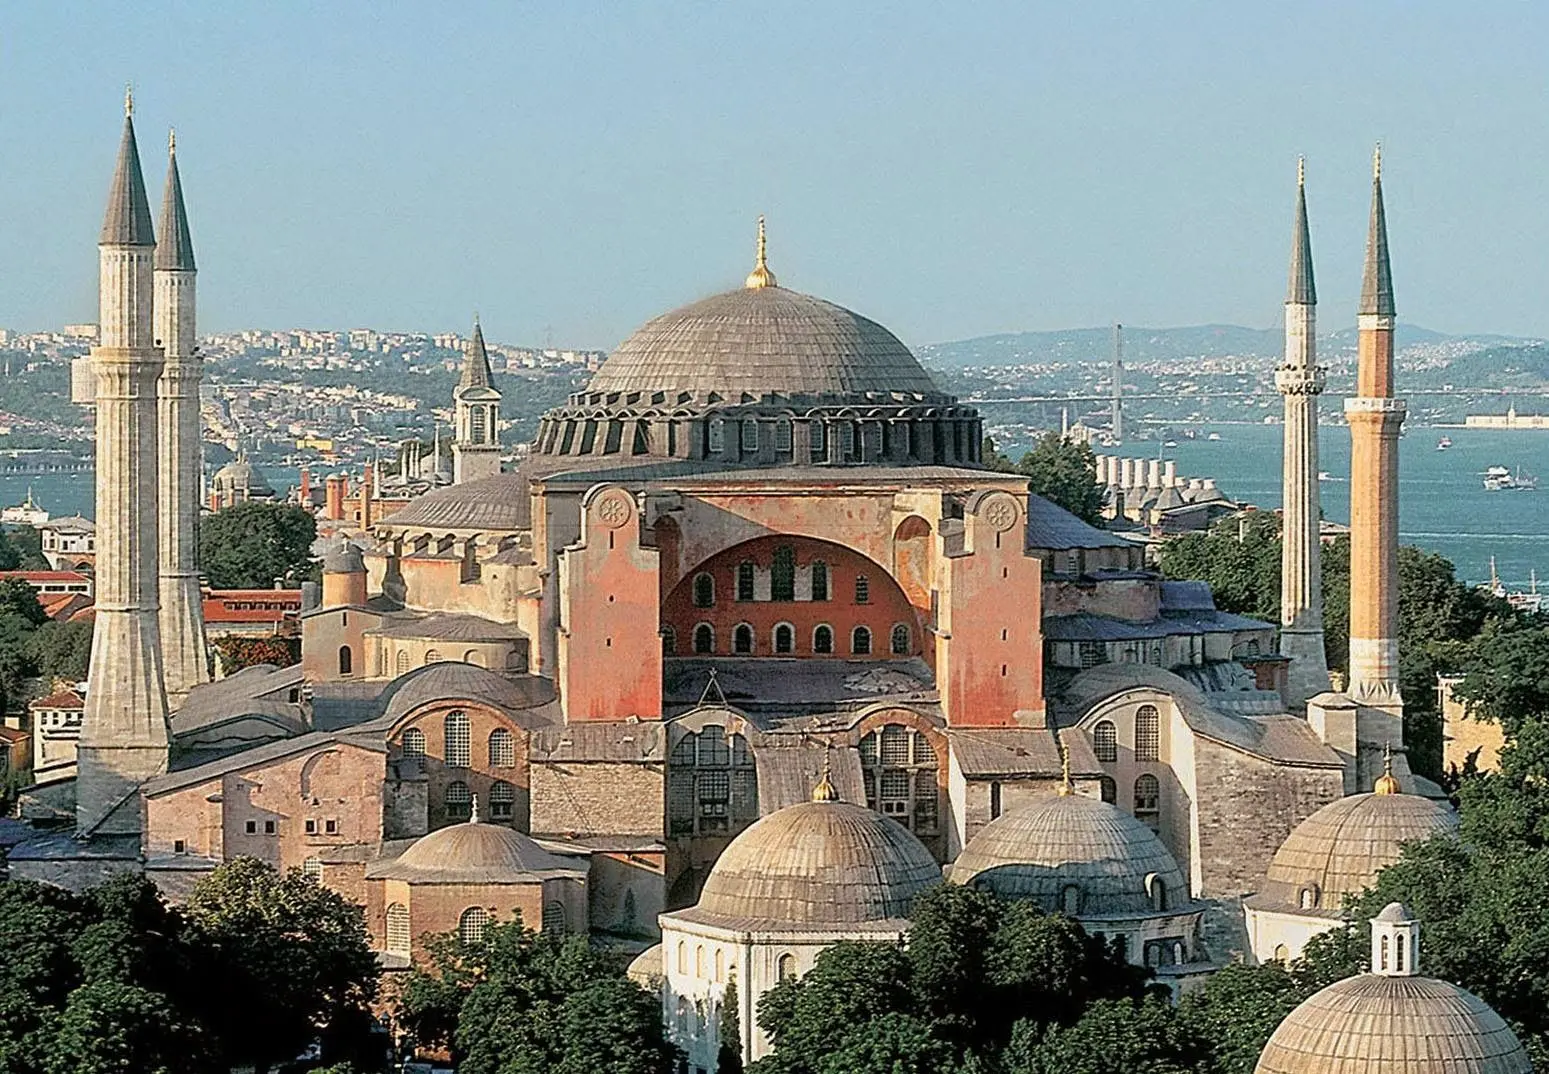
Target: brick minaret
[1300,381]
[1374,416]
[182,616]
[124,730]
[476,450]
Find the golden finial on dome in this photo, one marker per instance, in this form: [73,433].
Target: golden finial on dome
[824,790]
[761,276]
[1387,783]
[1066,787]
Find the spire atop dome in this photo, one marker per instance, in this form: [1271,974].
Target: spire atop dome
[476,371]
[473,812]
[824,790]
[1387,783]
[761,276]
[1066,788]
[128,220]
[1377,279]
[1302,290]
[176,248]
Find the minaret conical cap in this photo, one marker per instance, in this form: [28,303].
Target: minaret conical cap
[128,221]
[1302,290]
[476,371]
[1377,279]
[176,248]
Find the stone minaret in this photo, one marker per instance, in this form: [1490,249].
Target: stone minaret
[1300,381]
[476,449]
[124,731]
[182,615]
[1374,416]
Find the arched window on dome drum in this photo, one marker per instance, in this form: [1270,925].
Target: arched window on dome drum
[1107,789]
[819,580]
[502,800]
[742,639]
[1147,733]
[1148,800]
[860,641]
[720,965]
[554,918]
[1070,900]
[432,656]
[1156,888]
[704,638]
[414,743]
[1282,953]
[782,574]
[401,661]
[381,662]
[502,748]
[346,660]
[699,962]
[900,640]
[459,746]
[750,435]
[898,766]
[478,423]
[458,800]
[785,967]
[704,591]
[1307,898]
[782,435]
[815,432]
[823,638]
[470,927]
[784,638]
[669,641]
[712,784]
[1398,952]
[846,439]
[682,965]
[1384,953]
[1105,741]
[717,437]
[398,938]
[745,580]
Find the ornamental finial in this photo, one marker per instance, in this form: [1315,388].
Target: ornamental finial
[1377,162]
[1301,171]
[1066,787]
[1387,783]
[128,100]
[473,813]
[824,790]
[761,276]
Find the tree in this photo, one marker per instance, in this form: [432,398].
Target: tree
[1506,676]
[113,1028]
[851,983]
[250,545]
[61,651]
[728,1058]
[1064,472]
[891,1043]
[1113,1036]
[237,653]
[290,963]
[1235,1012]
[1239,557]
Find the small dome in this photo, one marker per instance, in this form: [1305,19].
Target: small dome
[1393,1025]
[475,853]
[345,559]
[819,864]
[763,340]
[453,680]
[241,474]
[1337,852]
[1038,851]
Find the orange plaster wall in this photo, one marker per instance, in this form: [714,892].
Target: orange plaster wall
[610,653]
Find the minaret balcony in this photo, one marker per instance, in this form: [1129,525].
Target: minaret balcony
[1299,380]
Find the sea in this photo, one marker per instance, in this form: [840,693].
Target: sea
[1443,505]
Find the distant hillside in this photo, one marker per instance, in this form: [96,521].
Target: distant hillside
[1089,345]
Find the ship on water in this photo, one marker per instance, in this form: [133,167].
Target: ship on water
[1531,601]
[1503,479]
[1444,443]
[26,513]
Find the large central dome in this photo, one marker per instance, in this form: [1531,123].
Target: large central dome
[763,341]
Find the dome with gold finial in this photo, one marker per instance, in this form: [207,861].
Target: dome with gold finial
[1387,783]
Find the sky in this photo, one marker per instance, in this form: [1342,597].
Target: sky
[571,169]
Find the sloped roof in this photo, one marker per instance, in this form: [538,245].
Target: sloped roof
[1053,527]
[128,220]
[1012,752]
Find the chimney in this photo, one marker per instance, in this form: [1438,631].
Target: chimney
[333,497]
[1154,474]
[306,487]
[365,498]
[1170,473]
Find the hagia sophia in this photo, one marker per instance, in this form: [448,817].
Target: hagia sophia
[746,652]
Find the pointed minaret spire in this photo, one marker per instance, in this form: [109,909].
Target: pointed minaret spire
[176,248]
[476,371]
[1377,280]
[476,405]
[1302,290]
[128,220]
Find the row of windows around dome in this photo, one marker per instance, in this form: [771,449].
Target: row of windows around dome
[457,743]
[783,641]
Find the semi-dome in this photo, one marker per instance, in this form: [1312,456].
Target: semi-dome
[1116,865]
[818,864]
[475,853]
[1337,852]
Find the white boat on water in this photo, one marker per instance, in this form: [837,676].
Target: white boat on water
[1213,436]
[26,513]
[1503,479]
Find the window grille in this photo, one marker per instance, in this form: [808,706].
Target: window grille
[1105,741]
[900,640]
[704,591]
[502,800]
[717,436]
[1147,733]
[862,589]
[782,574]
[414,742]
[819,580]
[398,929]
[742,639]
[823,639]
[471,926]
[554,917]
[704,638]
[1148,799]
[782,435]
[750,435]
[745,580]
[784,639]
[860,641]
[502,748]
[459,800]
[458,744]
[312,869]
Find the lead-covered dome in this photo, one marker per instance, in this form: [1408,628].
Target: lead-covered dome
[475,853]
[1116,865]
[763,341]
[817,864]
[1337,852]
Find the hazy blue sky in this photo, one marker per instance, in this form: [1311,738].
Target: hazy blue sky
[948,169]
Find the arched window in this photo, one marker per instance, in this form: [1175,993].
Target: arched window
[398,929]
[458,743]
[717,435]
[1147,733]
[819,580]
[704,638]
[745,580]
[699,962]
[432,656]
[1105,741]
[1156,887]
[682,958]
[470,927]
[554,917]
[823,639]
[900,640]
[381,662]
[414,742]
[750,434]
[704,591]
[782,574]
[862,589]
[1148,800]
[898,766]
[860,641]
[742,639]
[346,660]
[1384,952]
[312,869]
[782,435]
[1307,898]
[785,967]
[995,804]
[401,662]
[1108,789]
[502,800]
[712,784]
[1282,953]
[458,800]
[1398,952]
[784,638]
[1070,900]
[669,641]
[502,748]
